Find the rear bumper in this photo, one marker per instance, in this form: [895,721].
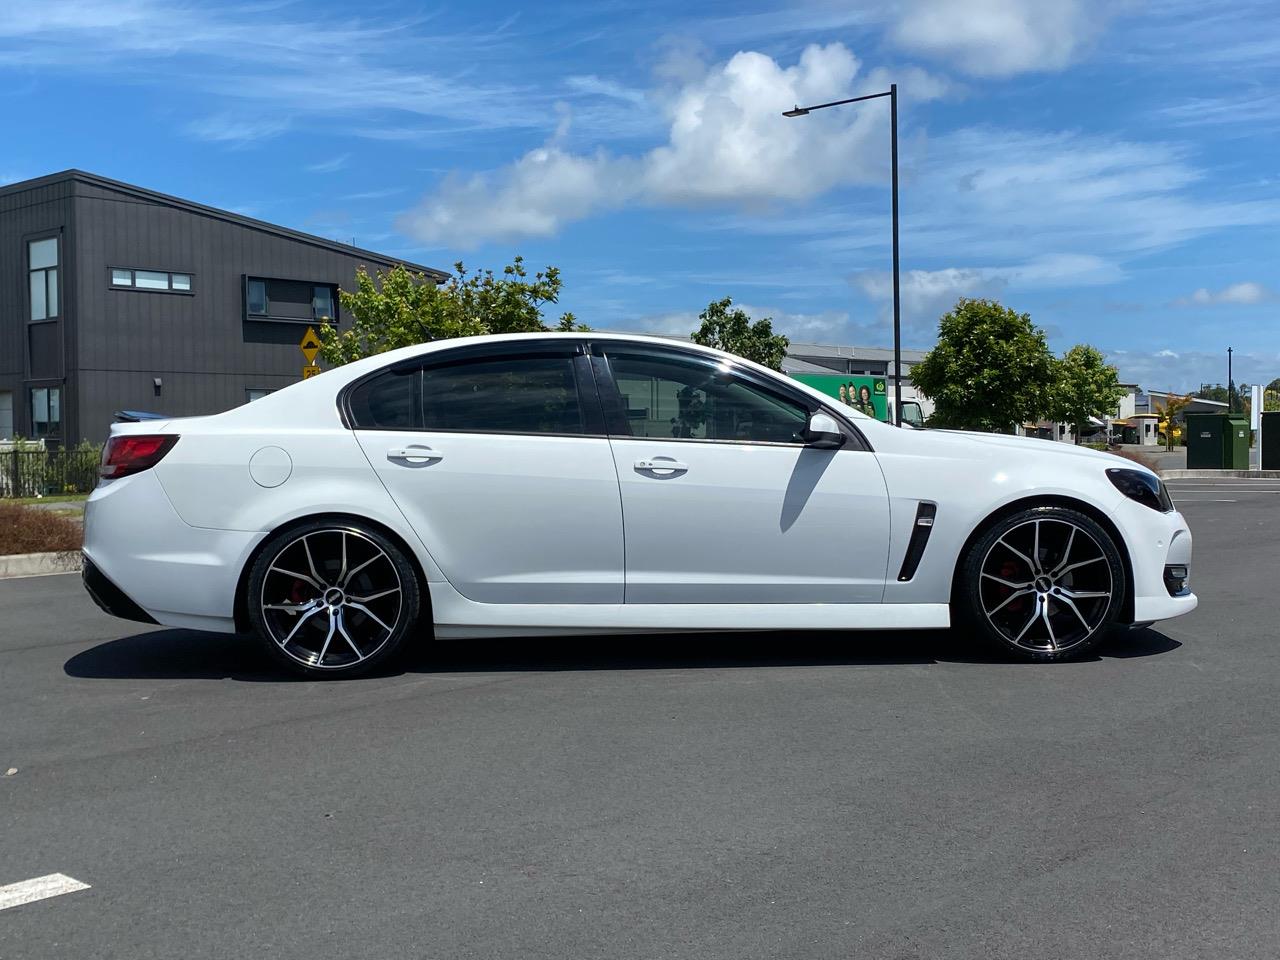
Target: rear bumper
[150,566]
[109,597]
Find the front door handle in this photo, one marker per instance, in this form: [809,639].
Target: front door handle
[414,454]
[661,465]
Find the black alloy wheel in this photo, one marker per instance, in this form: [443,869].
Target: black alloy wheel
[1046,583]
[332,599]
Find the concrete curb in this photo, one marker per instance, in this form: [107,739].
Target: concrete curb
[38,564]
[1221,474]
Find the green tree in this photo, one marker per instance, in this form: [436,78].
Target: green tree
[398,308]
[1168,410]
[1087,386]
[1214,391]
[729,328]
[991,368]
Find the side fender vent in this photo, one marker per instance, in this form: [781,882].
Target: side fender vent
[920,530]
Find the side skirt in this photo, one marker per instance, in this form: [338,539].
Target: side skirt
[457,617]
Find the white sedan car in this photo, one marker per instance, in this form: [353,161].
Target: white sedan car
[548,484]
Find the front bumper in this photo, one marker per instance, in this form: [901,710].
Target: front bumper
[1156,541]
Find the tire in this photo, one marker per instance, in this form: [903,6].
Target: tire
[1045,583]
[332,599]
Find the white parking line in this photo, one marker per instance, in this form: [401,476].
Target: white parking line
[41,888]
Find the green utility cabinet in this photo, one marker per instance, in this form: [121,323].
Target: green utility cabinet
[1217,441]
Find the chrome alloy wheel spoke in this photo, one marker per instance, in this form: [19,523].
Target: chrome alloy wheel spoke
[1008,583]
[1010,598]
[1048,624]
[1025,559]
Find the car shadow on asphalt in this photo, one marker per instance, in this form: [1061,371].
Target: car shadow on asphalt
[189,654]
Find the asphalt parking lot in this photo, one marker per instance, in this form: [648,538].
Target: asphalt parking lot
[886,796]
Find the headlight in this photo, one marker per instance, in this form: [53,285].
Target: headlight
[1144,487]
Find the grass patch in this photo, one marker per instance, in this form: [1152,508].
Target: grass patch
[61,498]
[32,530]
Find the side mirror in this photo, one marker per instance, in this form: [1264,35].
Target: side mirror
[823,433]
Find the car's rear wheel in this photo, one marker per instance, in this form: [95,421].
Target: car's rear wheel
[1046,583]
[332,599]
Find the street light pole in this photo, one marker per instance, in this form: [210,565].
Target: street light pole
[892,94]
[1231,389]
[897,296]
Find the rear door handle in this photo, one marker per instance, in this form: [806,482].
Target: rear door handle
[661,465]
[414,454]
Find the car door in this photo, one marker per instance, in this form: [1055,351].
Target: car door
[498,458]
[722,500]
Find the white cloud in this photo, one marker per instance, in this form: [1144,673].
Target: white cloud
[597,86]
[727,143]
[236,130]
[332,165]
[927,294]
[827,326]
[1166,369]
[1247,294]
[534,197]
[997,38]
[279,56]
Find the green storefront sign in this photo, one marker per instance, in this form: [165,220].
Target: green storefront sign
[862,393]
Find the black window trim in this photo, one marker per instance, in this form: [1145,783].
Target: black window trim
[620,429]
[45,383]
[133,286]
[27,240]
[268,318]
[576,350]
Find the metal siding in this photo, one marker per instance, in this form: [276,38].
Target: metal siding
[199,345]
[23,212]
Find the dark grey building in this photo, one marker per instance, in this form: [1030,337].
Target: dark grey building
[115,297]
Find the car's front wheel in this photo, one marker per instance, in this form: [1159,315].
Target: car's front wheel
[1046,583]
[332,599]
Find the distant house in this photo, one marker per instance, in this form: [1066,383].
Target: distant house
[117,297]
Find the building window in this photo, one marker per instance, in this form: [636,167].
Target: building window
[322,303]
[257,298]
[46,412]
[290,300]
[257,393]
[6,414]
[42,263]
[150,279]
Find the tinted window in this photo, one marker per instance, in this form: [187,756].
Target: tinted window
[388,400]
[689,398]
[530,394]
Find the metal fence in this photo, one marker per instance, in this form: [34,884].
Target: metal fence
[48,473]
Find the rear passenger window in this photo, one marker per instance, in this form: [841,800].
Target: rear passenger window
[389,401]
[529,394]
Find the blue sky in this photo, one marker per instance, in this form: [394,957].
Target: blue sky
[1112,168]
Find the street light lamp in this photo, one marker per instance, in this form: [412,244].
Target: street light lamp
[892,94]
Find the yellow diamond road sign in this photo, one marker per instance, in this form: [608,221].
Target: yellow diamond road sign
[310,346]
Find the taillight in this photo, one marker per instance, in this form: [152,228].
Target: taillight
[133,453]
